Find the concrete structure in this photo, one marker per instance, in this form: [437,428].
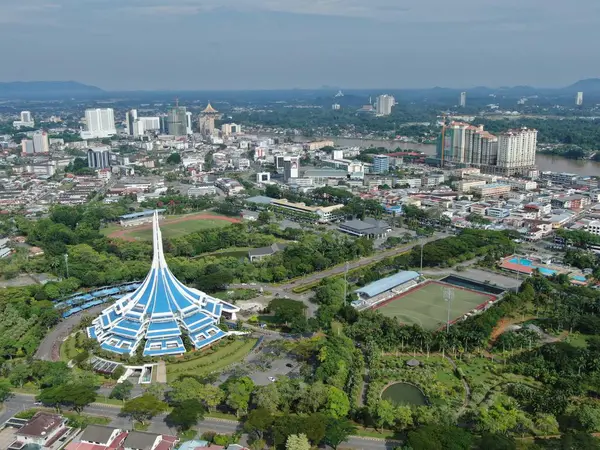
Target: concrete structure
[40,142]
[202,189]
[384,106]
[381,164]
[491,190]
[130,118]
[177,121]
[207,120]
[257,254]
[291,167]
[188,122]
[594,227]
[230,128]
[371,228]
[99,157]
[100,123]
[463,99]
[263,177]
[139,218]
[25,121]
[516,150]
[27,148]
[579,99]
[301,212]
[159,312]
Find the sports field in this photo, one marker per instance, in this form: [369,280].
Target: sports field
[171,227]
[425,305]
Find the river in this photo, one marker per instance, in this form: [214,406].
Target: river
[543,162]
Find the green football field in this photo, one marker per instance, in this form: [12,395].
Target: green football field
[173,230]
[426,306]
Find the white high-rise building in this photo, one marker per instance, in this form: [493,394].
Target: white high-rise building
[40,142]
[188,121]
[26,120]
[291,167]
[463,99]
[144,124]
[230,128]
[27,147]
[385,103]
[516,150]
[579,99]
[100,123]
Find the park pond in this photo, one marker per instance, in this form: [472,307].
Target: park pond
[404,393]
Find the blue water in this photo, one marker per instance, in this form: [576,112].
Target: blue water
[528,263]
[579,278]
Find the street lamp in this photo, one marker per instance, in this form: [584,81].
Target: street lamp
[448,297]
[67,263]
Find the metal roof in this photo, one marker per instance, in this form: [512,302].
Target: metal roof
[385,284]
[146,213]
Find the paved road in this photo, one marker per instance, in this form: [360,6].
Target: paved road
[19,402]
[50,345]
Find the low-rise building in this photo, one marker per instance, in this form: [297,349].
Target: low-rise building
[301,212]
[257,254]
[371,228]
[492,190]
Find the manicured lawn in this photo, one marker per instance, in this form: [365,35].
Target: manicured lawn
[426,306]
[221,358]
[68,350]
[177,229]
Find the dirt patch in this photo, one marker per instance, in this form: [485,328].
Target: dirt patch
[124,233]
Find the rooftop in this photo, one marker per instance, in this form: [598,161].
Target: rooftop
[42,424]
[385,284]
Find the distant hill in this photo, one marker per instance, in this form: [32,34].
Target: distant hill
[589,85]
[47,89]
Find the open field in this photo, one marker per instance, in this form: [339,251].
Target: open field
[222,357]
[425,305]
[171,227]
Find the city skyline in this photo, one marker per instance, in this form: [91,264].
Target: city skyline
[346,34]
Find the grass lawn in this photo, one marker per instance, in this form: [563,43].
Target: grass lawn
[68,350]
[426,306]
[221,358]
[178,229]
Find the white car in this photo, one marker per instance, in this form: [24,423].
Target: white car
[272,379]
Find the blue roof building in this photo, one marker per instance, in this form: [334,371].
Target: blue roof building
[159,312]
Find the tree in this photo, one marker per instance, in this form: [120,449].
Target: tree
[579,440]
[258,422]
[187,388]
[185,414]
[384,414]
[238,391]
[338,404]
[74,395]
[4,391]
[264,217]
[494,441]
[174,158]
[122,391]
[19,374]
[143,408]
[403,416]
[439,436]
[297,442]
[588,417]
[337,431]
[267,397]
[314,427]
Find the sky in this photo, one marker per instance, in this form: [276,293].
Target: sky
[279,44]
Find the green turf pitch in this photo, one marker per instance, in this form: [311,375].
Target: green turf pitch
[426,306]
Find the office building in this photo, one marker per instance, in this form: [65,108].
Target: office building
[99,157]
[177,121]
[579,99]
[207,120]
[100,123]
[158,313]
[188,122]
[130,118]
[336,107]
[27,148]
[381,164]
[463,99]
[516,150]
[144,124]
[25,120]
[230,128]
[40,142]
[385,103]
[291,167]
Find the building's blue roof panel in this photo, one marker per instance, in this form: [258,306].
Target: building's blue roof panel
[385,284]
[146,213]
[153,310]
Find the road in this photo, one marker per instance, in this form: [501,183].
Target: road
[50,346]
[19,402]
